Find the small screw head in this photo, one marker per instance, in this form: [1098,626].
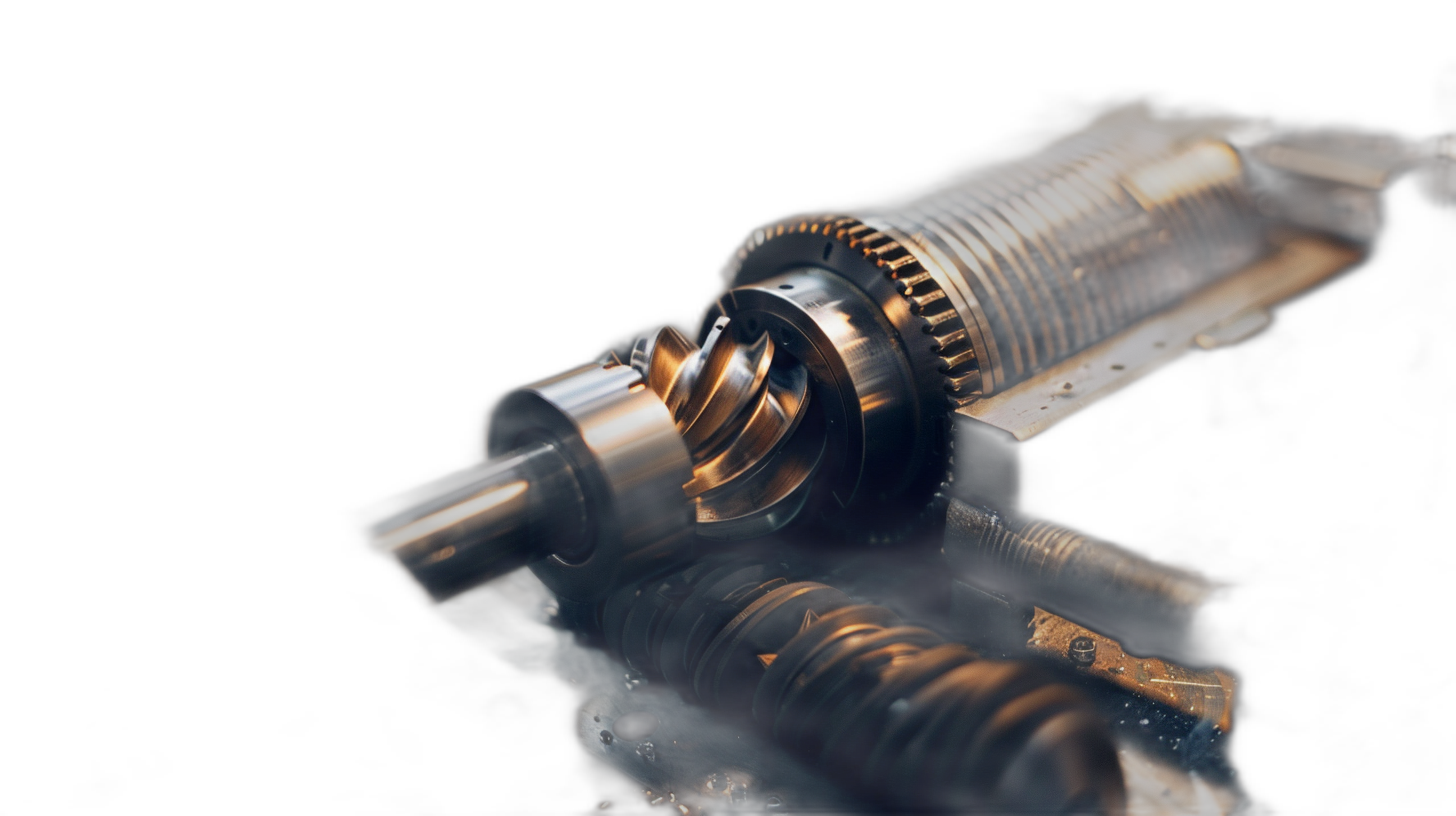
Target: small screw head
[1083,651]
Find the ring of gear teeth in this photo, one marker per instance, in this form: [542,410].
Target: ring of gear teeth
[927,300]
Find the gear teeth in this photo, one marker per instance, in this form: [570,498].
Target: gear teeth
[921,302]
[908,283]
[944,341]
[900,263]
[969,383]
[935,320]
[916,283]
[920,292]
[958,358]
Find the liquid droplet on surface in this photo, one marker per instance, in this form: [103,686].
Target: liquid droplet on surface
[647,751]
[638,725]
[774,803]
[605,737]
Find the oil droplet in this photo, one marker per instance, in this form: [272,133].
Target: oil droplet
[605,737]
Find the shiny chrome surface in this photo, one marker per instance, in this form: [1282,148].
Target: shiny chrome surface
[488,520]
[728,378]
[773,415]
[740,407]
[631,463]
[1227,311]
[863,385]
[987,280]
[1019,266]
[823,386]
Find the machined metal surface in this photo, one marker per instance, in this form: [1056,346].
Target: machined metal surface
[818,401]
[1019,266]
[695,759]
[743,418]
[631,462]
[489,520]
[864,387]
[895,712]
[1204,319]
[1008,294]
[1094,581]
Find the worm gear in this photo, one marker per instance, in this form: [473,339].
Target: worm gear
[894,711]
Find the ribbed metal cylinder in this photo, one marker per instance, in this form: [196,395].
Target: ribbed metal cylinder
[1024,264]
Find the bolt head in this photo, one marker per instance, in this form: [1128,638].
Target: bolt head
[1082,651]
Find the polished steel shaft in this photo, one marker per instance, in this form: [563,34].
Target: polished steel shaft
[489,520]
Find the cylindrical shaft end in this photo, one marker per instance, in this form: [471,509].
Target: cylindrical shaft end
[483,522]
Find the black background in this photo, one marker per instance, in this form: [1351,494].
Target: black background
[444,220]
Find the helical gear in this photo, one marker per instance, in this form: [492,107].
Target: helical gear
[744,411]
